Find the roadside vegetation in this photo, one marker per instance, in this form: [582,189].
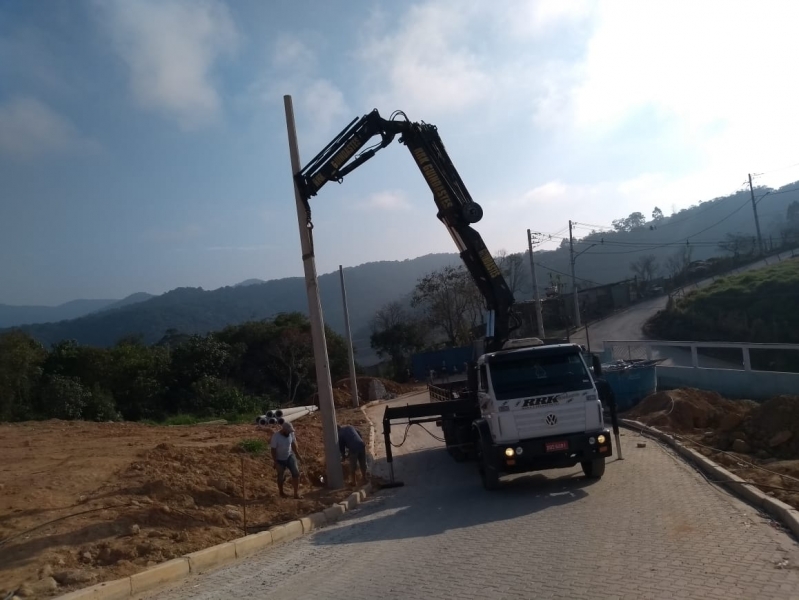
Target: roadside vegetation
[181,380]
[758,306]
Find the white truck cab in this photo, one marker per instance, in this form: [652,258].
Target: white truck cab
[539,409]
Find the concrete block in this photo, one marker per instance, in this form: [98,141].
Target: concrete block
[278,533]
[167,572]
[293,530]
[350,503]
[778,508]
[791,521]
[215,556]
[251,543]
[108,590]
[749,493]
[313,521]
[334,513]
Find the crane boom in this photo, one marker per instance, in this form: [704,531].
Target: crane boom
[456,209]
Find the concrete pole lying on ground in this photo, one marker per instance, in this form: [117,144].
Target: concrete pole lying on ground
[353,382]
[335,474]
[290,411]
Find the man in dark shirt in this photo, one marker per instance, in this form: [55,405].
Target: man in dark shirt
[350,439]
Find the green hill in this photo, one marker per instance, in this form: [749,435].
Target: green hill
[756,306]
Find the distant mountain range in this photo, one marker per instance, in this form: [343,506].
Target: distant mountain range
[604,256]
[194,310]
[11,315]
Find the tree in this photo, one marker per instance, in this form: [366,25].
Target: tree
[451,303]
[645,267]
[792,213]
[21,362]
[737,244]
[276,357]
[657,214]
[396,334]
[513,269]
[633,221]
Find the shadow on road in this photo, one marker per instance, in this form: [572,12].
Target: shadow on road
[441,495]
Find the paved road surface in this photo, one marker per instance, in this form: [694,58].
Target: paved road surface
[651,528]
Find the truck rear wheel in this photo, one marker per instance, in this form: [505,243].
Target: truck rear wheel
[594,469]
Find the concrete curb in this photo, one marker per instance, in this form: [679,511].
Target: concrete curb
[178,569]
[782,512]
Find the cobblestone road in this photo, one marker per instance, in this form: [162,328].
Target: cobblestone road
[652,527]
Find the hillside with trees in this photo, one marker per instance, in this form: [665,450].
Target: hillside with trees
[232,373]
[197,311]
[756,306]
[640,246]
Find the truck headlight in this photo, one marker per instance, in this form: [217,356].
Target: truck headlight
[591,441]
[601,439]
[519,450]
[508,452]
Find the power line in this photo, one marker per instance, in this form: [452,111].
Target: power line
[775,170]
[565,274]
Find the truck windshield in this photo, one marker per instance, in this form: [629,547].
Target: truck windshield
[530,375]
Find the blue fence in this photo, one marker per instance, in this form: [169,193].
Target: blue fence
[451,360]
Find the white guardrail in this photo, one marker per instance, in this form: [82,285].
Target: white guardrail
[722,355]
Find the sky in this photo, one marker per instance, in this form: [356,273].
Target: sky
[143,143]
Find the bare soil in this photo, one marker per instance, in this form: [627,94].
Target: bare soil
[88,502]
[759,442]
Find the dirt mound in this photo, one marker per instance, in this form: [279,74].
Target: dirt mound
[341,398]
[686,409]
[773,427]
[136,495]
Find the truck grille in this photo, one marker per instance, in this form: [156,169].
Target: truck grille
[535,422]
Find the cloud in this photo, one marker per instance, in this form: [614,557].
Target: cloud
[427,63]
[29,129]
[289,52]
[320,106]
[390,200]
[170,48]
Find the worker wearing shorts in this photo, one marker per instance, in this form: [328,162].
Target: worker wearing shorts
[350,439]
[284,453]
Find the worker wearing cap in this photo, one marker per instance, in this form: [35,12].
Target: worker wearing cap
[285,454]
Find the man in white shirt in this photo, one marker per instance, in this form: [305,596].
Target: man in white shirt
[285,454]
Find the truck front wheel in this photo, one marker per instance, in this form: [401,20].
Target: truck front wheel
[488,473]
[594,469]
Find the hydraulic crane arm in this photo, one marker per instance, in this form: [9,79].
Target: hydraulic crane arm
[456,209]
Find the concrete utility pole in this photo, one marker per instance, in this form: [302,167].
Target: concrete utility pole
[335,474]
[757,220]
[353,381]
[538,313]
[574,279]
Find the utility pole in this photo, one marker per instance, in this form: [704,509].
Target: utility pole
[574,278]
[353,382]
[335,475]
[538,313]
[757,220]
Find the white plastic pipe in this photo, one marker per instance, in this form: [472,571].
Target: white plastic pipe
[270,413]
[289,411]
[262,420]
